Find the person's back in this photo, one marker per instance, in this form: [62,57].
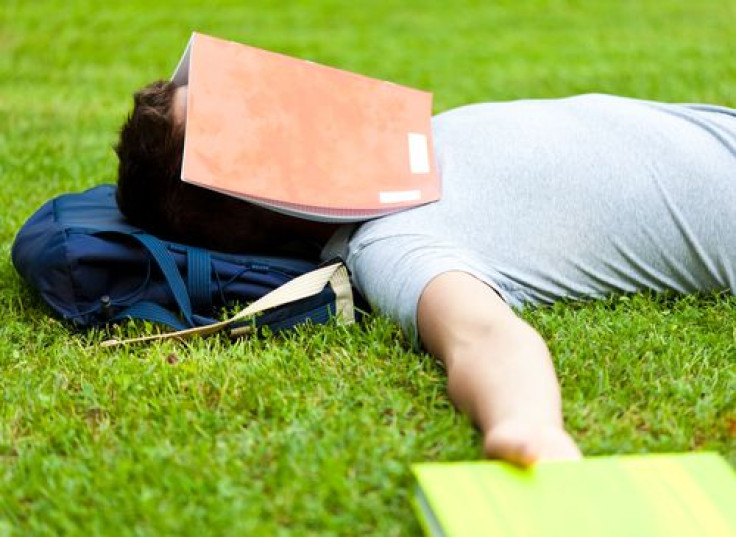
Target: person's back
[569,198]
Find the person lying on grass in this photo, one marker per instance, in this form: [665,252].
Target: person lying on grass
[543,200]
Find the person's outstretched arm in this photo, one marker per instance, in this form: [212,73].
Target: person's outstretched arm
[498,367]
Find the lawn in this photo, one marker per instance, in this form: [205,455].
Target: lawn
[314,433]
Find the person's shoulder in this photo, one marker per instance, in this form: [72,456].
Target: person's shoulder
[466,118]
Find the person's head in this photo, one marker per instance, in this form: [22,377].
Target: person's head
[152,196]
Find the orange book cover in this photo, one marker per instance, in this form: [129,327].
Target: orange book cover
[303,138]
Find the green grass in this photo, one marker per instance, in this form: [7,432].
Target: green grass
[313,434]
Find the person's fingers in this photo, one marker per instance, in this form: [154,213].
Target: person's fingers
[516,449]
[524,444]
[564,449]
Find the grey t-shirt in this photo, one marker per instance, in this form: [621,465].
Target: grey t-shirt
[568,198]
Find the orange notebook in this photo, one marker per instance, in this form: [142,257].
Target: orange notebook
[301,138]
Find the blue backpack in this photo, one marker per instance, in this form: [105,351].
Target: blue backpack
[93,268]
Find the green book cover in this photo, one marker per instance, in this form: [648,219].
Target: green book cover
[667,495]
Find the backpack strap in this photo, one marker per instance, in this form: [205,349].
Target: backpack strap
[306,285]
[199,272]
[196,290]
[170,272]
[150,311]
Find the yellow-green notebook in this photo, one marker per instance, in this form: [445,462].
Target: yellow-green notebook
[670,495]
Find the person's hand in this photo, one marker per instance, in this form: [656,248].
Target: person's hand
[524,443]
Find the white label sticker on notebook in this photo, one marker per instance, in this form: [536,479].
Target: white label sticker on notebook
[398,196]
[418,153]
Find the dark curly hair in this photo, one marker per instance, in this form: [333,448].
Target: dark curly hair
[152,196]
